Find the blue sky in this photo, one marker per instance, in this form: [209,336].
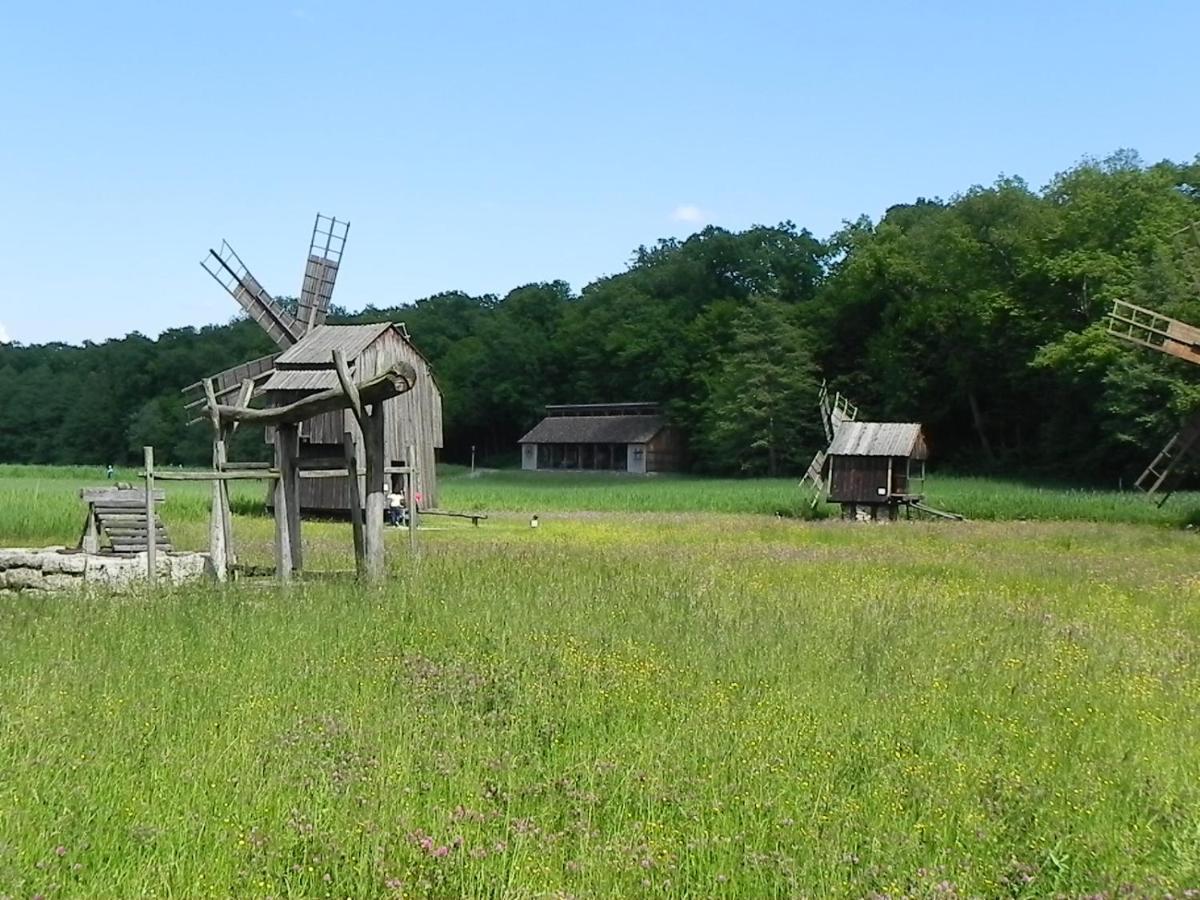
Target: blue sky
[479,146]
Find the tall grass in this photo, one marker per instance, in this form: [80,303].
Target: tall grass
[40,504]
[610,706]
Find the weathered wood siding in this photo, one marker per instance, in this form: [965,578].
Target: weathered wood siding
[858,479]
[664,453]
[412,418]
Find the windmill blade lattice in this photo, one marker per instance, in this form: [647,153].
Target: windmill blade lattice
[320,270]
[231,273]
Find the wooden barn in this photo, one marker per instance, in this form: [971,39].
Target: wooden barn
[875,467]
[413,418]
[603,437]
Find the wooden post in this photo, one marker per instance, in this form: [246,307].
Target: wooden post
[91,537]
[356,507]
[217,548]
[373,443]
[413,513]
[218,534]
[151,529]
[361,555]
[287,532]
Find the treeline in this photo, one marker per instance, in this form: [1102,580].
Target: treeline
[981,316]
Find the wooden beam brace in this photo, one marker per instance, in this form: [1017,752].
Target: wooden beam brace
[398,379]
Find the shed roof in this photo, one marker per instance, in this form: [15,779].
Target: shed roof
[595,430]
[316,347]
[879,439]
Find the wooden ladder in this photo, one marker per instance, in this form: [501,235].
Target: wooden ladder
[119,515]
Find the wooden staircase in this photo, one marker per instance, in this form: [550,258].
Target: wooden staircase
[117,522]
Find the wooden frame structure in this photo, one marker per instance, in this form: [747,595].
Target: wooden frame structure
[366,401]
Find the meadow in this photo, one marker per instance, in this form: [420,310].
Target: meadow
[665,690]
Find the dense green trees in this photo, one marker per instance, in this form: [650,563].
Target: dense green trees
[980,316]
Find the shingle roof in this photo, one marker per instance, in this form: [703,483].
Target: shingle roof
[595,430]
[316,347]
[878,439]
[301,380]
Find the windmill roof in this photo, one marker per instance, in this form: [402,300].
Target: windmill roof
[316,348]
[301,380]
[879,439]
[594,430]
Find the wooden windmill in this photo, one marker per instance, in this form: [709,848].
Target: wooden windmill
[1148,328]
[871,469]
[303,366]
[285,329]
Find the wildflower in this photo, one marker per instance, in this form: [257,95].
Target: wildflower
[60,850]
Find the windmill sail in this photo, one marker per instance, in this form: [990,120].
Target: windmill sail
[231,273]
[1148,328]
[320,271]
[834,411]
[1162,475]
[228,383]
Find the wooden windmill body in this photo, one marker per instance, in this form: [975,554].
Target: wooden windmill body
[871,469]
[1148,328]
[303,366]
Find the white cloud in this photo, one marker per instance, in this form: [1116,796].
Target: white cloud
[690,214]
[4,338]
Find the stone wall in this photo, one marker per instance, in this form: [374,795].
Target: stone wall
[60,569]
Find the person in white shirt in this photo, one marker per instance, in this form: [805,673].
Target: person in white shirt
[395,507]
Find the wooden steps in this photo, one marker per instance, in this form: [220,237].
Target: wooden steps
[116,521]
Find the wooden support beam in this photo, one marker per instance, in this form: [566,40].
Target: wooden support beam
[413,512]
[398,379]
[245,395]
[373,445]
[151,546]
[220,526]
[218,533]
[286,447]
[356,506]
[252,475]
[348,386]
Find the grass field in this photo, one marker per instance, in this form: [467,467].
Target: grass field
[39,503]
[672,701]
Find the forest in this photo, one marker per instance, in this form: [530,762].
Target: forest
[981,315]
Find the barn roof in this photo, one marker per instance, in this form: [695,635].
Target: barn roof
[316,348]
[879,439]
[595,430]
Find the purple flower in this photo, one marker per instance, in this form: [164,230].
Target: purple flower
[60,850]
